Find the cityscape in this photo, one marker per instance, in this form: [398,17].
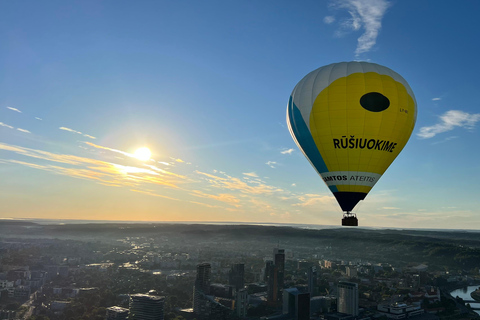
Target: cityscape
[201,271]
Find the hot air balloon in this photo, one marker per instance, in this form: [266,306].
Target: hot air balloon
[351,120]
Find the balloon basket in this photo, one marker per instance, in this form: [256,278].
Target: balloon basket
[350,220]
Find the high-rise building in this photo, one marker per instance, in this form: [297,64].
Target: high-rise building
[146,307]
[312,281]
[271,281]
[202,281]
[296,304]
[347,301]
[116,313]
[279,258]
[266,270]
[236,277]
[241,303]
[201,288]
[274,277]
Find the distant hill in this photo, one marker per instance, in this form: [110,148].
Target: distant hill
[459,249]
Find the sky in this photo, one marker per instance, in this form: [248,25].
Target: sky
[204,86]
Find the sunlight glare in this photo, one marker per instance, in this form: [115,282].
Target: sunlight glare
[142,154]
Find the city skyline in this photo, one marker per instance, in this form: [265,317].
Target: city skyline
[85,86]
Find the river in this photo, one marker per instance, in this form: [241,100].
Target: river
[464,293]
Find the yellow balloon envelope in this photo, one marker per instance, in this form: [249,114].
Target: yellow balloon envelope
[351,120]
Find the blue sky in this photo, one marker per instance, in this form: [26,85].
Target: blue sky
[204,85]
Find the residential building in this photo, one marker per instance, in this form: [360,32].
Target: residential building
[146,307]
[399,310]
[116,313]
[347,300]
[312,281]
[236,276]
[296,304]
[241,303]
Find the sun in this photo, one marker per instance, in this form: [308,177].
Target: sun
[142,154]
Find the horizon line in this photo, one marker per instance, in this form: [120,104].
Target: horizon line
[297,225]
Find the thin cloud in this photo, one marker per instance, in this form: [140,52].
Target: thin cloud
[236,184]
[23,130]
[445,140]
[38,118]
[164,172]
[205,204]
[5,125]
[329,19]
[449,121]
[70,130]
[271,164]
[14,109]
[251,174]
[211,176]
[366,14]
[288,151]
[391,208]
[109,149]
[77,132]
[152,193]
[223,197]
[96,170]
[308,200]
[436,99]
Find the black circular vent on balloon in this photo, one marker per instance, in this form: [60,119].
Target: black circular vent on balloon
[374,101]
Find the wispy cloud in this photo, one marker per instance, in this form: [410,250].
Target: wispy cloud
[5,125]
[288,151]
[131,155]
[449,121]
[436,99]
[445,140]
[223,197]
[251,174]
[70,130]
[77,132]
[91,169]
[329,19]
[205,204]
[14,109]
[391,208]
[10,127]
[232,183]
[314,200]
[38,118]
[221,192]
[271,164]
[152,193]
[366,14]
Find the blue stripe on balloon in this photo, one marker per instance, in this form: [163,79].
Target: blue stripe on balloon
[305,139]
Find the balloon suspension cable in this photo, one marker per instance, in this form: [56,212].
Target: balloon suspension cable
[349,219]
